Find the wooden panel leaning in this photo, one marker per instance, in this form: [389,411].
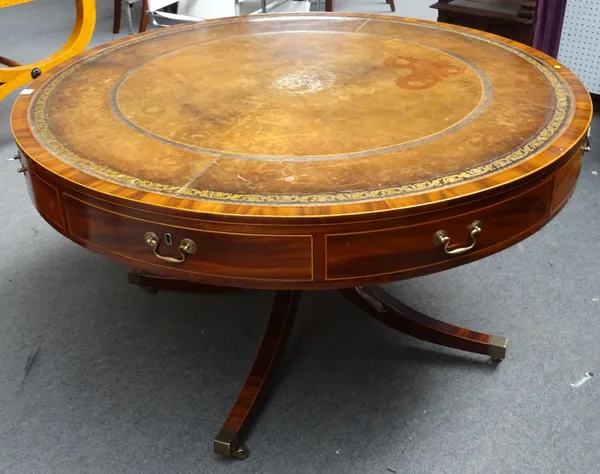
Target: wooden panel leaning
[507,18]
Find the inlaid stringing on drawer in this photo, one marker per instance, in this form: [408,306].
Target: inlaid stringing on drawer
[397,249]
[234,255]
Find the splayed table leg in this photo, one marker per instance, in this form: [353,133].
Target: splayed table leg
[228,440]
[384,308]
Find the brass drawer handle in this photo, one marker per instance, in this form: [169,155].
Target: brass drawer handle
[441,237]
[186,247]
[588,141]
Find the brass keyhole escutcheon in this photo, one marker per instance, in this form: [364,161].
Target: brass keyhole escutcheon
[186,247]
[441,237]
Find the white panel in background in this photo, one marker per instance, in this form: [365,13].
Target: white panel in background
[207,8]
[580,41]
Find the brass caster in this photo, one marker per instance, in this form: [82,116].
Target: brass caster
[148,288]
[241,452]
[226,444]
[497,350]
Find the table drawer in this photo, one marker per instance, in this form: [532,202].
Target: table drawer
[231,255]
[46,199]
[393,250]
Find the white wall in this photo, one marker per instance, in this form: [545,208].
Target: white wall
[207,8]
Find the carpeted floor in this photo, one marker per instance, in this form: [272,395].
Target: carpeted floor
[129,383]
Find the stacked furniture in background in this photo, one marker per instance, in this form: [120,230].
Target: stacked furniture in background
[512,19]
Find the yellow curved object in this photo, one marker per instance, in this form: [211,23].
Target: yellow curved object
[15,76]
[10,3]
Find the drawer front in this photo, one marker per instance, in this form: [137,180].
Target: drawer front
[565,181]
[46,199]
[393,250]
[250,256]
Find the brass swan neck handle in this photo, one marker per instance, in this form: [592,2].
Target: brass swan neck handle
[186,247]
[441,237]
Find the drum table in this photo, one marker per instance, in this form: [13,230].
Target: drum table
[303,152]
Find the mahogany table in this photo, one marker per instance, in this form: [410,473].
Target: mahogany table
[303,152]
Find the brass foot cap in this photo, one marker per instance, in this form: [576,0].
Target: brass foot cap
[226,444]
[497,349]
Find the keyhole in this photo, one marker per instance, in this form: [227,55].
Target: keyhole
[168,239]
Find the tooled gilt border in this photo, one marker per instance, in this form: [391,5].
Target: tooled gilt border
[562,111]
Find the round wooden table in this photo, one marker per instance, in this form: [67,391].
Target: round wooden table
[304,152]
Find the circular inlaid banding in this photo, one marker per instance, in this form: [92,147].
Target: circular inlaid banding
[305,115]
[293,98]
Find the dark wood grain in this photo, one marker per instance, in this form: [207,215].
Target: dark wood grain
[144,17]
[46,199]
[343,255]
[506,18]
[404,248]
[235,255]
[118,5]
[407,320]
[245,407]
[564,182]
[9,62]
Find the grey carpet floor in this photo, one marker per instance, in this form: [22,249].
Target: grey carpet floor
[128,383]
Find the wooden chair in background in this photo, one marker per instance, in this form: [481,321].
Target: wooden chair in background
[128,5]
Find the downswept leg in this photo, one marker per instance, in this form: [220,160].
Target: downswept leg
[227,442]
[384,308]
